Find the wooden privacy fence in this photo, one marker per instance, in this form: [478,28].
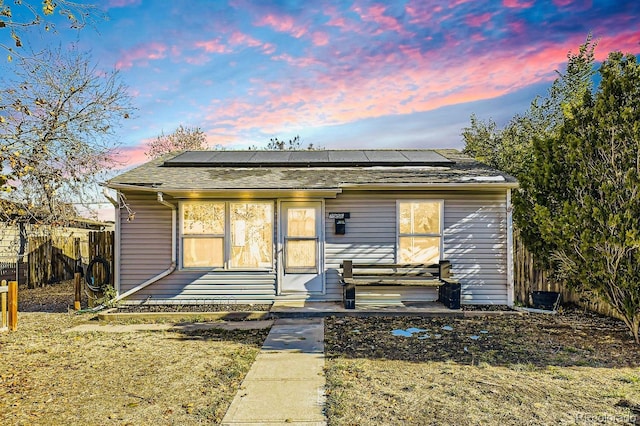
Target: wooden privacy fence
[57,258]
[8,306]
[52,259]
[528,277]
[101,247]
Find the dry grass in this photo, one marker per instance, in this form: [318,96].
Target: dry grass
[538,370]
[48,376]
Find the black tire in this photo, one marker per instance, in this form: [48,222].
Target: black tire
[89,275]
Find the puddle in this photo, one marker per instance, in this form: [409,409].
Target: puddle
[402,333]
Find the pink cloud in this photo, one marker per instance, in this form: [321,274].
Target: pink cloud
[142,54]
[417,84]
[626,42]
[212,46]
[320,38]
[244,39]
[562,3]
[338,21]
[269,48]
[217,46]
[517,27]
[283,24]
[241,39]
[478,20]
[517,4]
[221,137]
[456,3]
[302,62]
[128,156]
[376,14]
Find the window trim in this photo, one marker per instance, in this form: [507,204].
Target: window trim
[227,243]
[440,235]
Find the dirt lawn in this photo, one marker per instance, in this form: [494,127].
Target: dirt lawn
[573,368]
[52,377]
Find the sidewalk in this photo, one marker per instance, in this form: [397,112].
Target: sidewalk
[285,384]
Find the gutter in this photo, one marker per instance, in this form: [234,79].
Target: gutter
[471,185]
[236,192]
[161,275]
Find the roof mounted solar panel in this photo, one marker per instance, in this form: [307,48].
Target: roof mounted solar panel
[318,158]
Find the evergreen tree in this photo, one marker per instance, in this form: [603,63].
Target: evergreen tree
[584,185]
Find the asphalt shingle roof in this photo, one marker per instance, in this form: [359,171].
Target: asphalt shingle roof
[454,168]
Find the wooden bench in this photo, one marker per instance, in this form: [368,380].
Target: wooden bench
[386,274]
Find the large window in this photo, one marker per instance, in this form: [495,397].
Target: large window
[234,235]
[419,231]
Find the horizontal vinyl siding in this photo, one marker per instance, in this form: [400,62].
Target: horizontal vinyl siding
[474,241]
[145,251]
[476,244]
[370,236]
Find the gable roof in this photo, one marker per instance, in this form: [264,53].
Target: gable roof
[207,172]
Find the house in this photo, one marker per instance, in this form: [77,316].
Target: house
[260,226]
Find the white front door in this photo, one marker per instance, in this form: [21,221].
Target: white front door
[301,256]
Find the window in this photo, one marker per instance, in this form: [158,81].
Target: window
[419,231]
[217,234]
[203,234]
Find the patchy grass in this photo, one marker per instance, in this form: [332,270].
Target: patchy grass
[574,368]
[48,376]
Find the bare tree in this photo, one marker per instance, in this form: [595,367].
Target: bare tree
[16,19]
[294,144]
[183,138]
[58,117]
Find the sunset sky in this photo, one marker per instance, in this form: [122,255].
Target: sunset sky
[350,74]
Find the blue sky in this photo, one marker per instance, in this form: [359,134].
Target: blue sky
[340,74]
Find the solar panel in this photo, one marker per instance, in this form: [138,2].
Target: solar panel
[386,156]
[425,156]
[268,156]
[309,156]
[347,156]
[318,158]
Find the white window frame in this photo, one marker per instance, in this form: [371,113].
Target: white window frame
[226,236]
[440,234]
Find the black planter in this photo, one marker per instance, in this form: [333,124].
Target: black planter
[545,299]
[449,295]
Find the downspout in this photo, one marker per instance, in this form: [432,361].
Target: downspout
[161,275]
[510,286]
[116,242]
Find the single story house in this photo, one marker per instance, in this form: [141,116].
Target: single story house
[263,226]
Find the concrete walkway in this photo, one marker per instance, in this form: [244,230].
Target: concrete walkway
[285,384]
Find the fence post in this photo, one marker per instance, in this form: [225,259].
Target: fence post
[13,305]
[77,281]
[3,305]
